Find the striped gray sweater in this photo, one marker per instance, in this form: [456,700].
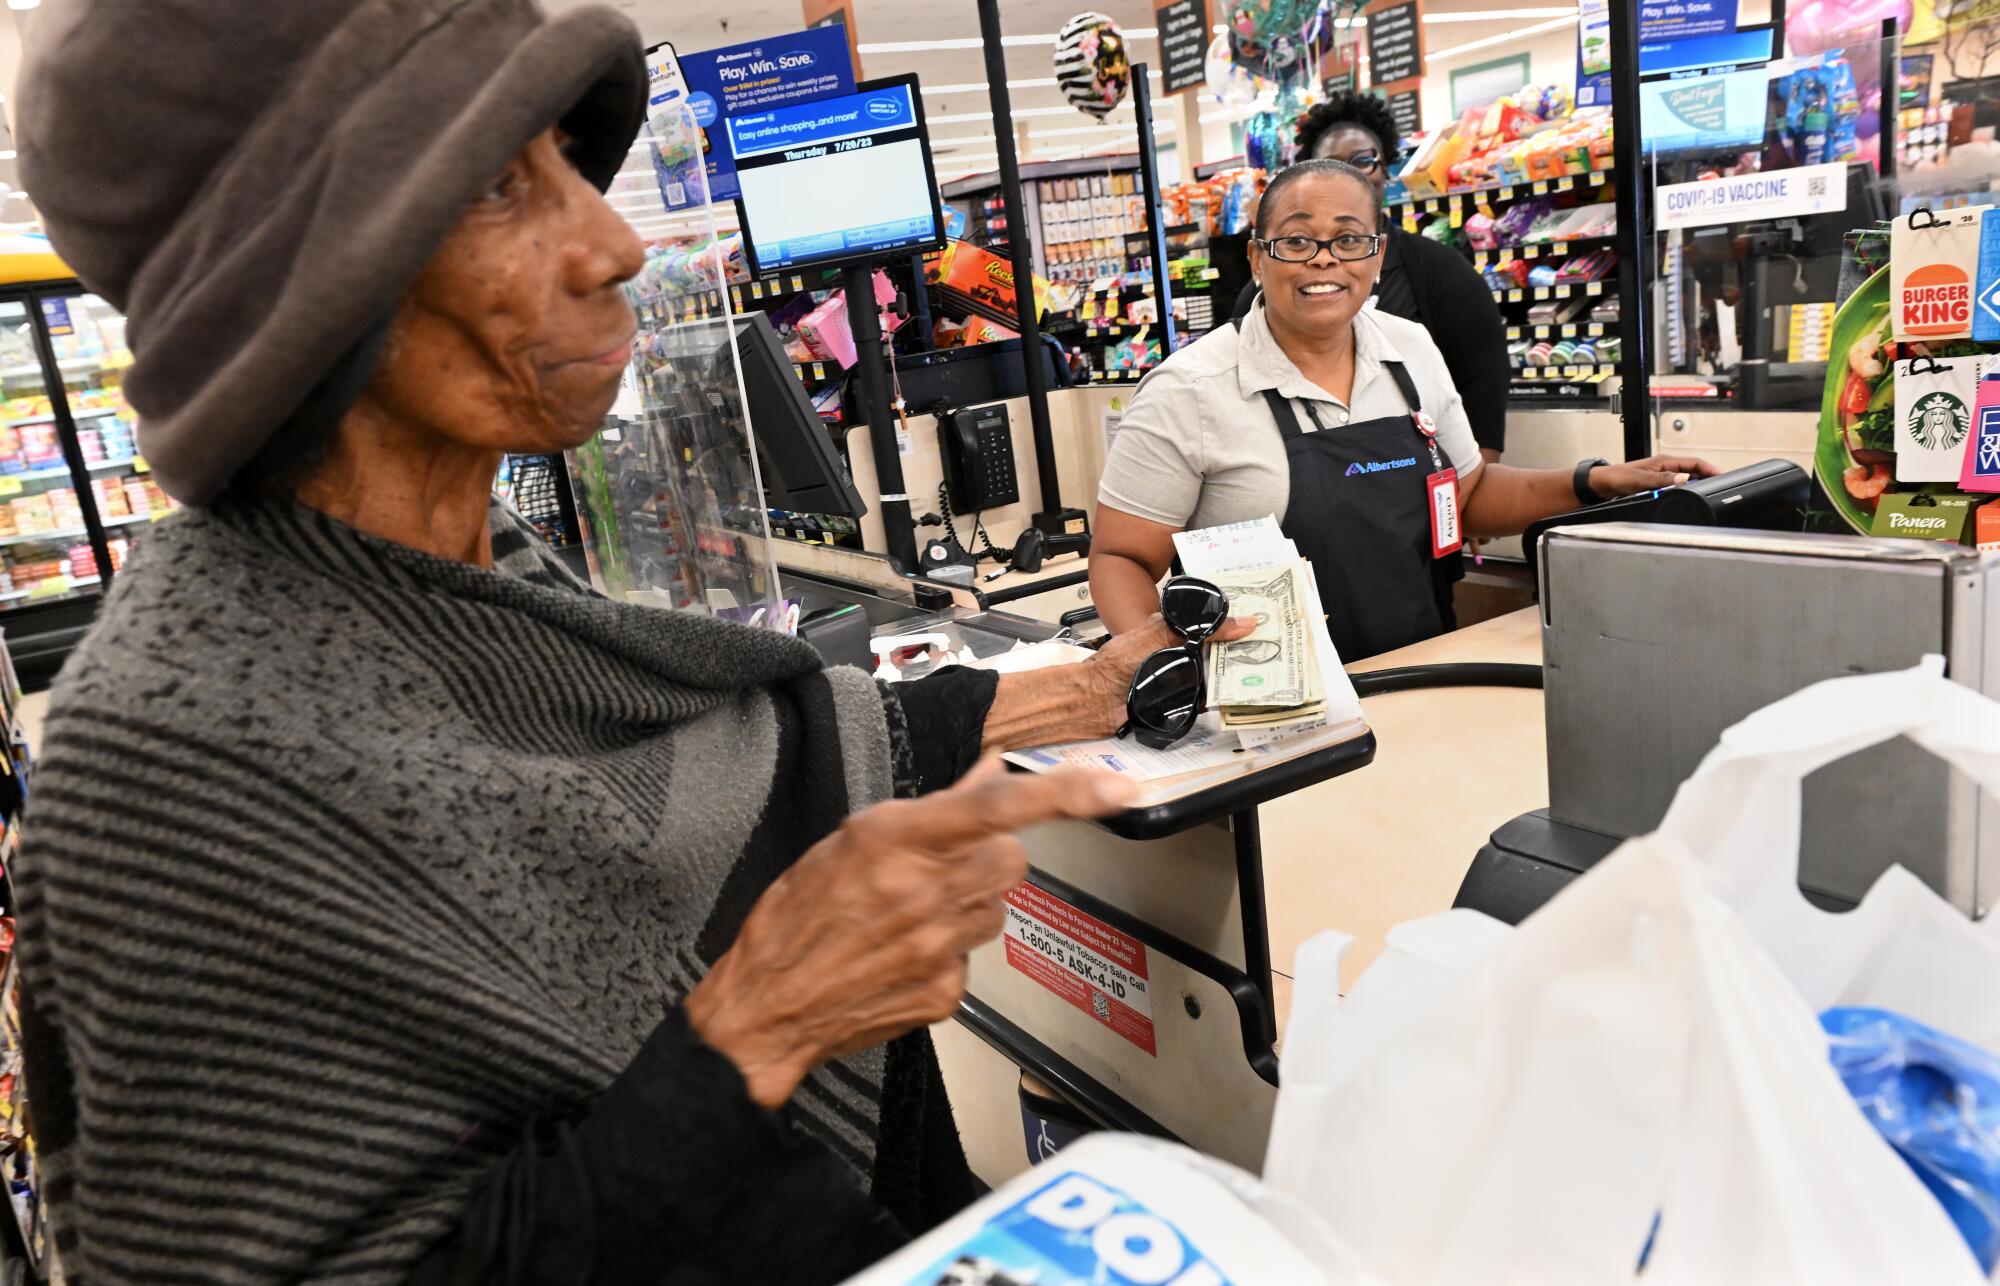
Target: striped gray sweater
[344,861]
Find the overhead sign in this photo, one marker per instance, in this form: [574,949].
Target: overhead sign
[757,76]
[1407,109]
[1775,194]
[836,13]
[1673,19]
[1395,44]
[1183,28]
[1340,82]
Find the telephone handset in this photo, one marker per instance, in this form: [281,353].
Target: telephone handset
[977,444]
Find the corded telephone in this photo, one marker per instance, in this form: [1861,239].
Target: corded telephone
[977,444]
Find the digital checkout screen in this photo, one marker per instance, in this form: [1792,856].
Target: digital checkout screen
[839,179]
[1710,93]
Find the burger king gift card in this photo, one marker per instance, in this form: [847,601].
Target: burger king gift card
[1934,265]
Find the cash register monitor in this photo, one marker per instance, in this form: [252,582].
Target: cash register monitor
[801,469]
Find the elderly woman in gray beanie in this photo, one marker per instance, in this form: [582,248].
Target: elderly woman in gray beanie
[395,909]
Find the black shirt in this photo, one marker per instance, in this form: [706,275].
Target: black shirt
[1433,285]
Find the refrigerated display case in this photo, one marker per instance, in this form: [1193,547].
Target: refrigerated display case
[74,491]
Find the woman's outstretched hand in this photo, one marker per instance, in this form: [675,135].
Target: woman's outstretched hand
[865,938]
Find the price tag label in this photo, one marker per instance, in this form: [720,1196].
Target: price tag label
[1507,193]
[139,465]
[1531,252]
[1565,185]
[1514,296]
[10,486]
[1595,329]
[1409,221]
[1431,206]
[1506,255]
[1595,289]
[1480,260]
[1541,332]
[1457,215]
[819,370]
[1531,373]
[736,296]
[1541,187]
[1211,274]
[798,283]
[52,586]
[1597,179]
[1571,372]
[1513,332]
[1541,292]
[756,290]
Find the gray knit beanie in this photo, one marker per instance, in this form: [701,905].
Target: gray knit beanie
[257,184]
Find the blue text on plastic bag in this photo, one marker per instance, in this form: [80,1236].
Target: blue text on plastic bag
[1075,1230]
[1936,1099]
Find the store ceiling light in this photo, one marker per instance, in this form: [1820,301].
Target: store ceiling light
[1505,37]
[966,118]
[22,4]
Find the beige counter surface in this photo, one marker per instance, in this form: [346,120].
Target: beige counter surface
[1364,852]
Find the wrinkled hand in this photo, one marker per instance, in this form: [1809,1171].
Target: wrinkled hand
[865,937]
[1109,673]
[1614,480]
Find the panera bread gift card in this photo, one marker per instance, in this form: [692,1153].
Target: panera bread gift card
[1916,516]
[1933,264]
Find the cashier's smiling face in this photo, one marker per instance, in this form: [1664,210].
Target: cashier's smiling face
[1324,293]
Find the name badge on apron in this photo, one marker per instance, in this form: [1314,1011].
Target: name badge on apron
[1442,488]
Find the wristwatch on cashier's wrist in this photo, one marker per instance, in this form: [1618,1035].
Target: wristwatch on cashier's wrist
[1581,481]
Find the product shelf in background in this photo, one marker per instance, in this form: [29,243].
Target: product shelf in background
[1500,192]
[94,413]
[1539,250]
[1567,290]
[1563,330]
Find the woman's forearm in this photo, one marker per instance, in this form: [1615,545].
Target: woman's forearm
[1125,594]
[1507,500]
[1044,707]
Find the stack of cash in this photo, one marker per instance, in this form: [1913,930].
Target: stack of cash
[1271,677]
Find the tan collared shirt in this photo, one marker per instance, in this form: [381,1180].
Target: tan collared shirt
[1198,446]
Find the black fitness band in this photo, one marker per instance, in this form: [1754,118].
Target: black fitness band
[1580,480]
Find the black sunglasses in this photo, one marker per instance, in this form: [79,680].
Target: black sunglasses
[1169,689]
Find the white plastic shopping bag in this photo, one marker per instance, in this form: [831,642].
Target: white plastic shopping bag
[1641,1059]
[1119,1210]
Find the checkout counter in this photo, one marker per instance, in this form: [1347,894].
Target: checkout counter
[1480,796]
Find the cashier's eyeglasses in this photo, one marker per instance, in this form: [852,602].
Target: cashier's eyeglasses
[1348,245]
[1169,689]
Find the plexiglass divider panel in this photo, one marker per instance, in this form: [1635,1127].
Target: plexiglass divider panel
[1766,181]
[669,492]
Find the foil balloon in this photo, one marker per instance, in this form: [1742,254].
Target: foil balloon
[1227,81]
[1819,25]
[1092,68]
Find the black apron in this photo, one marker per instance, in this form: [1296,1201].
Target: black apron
[1360,513]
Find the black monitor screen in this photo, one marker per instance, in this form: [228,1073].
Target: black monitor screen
[801,469]
[839,180]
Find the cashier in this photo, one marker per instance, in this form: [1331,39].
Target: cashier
[1340,420]
[1421,279]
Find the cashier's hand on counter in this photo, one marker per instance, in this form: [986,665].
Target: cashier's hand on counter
[865,937]
[1083,702]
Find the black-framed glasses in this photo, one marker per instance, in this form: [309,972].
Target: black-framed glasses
[1169,689]
[1348,245]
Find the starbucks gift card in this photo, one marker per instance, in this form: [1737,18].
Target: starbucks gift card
[1917,516]
[1934,401]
